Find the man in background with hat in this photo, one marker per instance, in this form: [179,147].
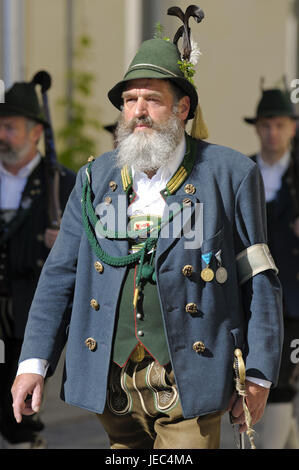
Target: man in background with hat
[111,128]
[156,320]
[275,124]
[25,239]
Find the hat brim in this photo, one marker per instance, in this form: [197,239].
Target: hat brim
[253,120]
[115,94]
[110,128]
[250,120]
[9,111]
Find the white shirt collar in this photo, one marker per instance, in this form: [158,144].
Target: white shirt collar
[283,162]
[25,171]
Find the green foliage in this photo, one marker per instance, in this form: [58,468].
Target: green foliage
[77,144]
[159,32]
[188,70]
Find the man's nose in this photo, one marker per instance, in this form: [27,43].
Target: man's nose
[3,134]
[273,131]
[141,107]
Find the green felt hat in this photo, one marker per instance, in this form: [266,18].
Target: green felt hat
[21,100]
[274,102]
[156,58]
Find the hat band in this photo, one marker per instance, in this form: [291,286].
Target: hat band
[153,67]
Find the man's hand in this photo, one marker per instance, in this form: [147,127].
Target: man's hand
[256,400]
[24,385]
[50,237]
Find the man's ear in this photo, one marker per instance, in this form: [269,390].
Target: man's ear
[36,133]
[183,108]
[294,128]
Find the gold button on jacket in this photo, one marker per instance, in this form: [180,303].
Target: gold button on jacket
[94,304]
[187,270]
[113,185]
[91,344]
[98,267]
[190,188]
[191,308]
[199,347]
[187,201]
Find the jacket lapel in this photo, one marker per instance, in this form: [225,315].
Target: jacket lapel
[111,205]
[181,214]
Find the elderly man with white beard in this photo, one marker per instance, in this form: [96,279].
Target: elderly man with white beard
[26,238]
[138,146]
[155,323]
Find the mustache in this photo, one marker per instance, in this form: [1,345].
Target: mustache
[124,129]
[5,144]
[146,120]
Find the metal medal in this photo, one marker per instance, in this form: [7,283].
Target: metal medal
[207,274]
[221,275]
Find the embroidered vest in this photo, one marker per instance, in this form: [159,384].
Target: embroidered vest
[141,325]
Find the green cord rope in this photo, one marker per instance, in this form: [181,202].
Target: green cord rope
[89,221]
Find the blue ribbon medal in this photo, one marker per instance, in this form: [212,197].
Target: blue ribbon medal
[207,274]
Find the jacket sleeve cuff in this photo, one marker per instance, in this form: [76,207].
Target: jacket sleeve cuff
[260,382]
[33,366]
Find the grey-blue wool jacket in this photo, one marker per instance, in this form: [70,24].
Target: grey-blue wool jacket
[228,315]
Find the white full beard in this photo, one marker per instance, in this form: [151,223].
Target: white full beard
[148,151]
[12,157]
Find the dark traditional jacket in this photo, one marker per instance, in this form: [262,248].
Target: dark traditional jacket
[22,249]
[230,189]
[282,241]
